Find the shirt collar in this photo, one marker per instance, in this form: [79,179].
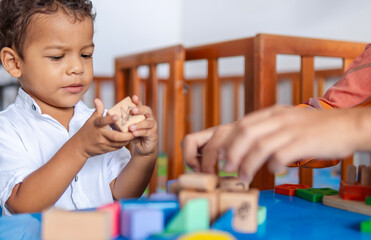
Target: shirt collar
[27,103]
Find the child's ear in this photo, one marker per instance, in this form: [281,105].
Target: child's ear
[11,62]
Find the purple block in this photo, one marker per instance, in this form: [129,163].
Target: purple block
[140,223]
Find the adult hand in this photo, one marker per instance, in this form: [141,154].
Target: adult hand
[201,150]
[281,135]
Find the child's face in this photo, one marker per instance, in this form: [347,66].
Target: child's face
[57,67]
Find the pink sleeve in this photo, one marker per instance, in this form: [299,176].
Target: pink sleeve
[354,87]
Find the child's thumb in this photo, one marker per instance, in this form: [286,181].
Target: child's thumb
[99,107]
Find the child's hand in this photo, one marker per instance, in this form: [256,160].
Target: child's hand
[96,137]
[145,132]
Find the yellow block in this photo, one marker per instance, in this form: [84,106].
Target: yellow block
[207,235]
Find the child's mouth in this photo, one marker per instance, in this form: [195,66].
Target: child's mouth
[74,88]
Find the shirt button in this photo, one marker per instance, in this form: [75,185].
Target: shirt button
[33,107]
[76,178]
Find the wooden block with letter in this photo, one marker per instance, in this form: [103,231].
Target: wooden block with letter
[84,225]
[122,110]
[233,184]
[245,206]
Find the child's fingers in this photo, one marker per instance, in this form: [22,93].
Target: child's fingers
[145,124]
[143,110]
[99,107]
[116,136]
[104,121]
[136,100]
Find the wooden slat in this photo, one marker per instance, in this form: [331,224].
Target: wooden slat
[265,79]
[175,119]
[212,94]
[306,92]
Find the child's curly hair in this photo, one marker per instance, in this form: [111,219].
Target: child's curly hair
[15,16]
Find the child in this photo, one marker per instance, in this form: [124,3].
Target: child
[53,149]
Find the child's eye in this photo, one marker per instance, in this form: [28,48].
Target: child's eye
[55,58]
[86,55]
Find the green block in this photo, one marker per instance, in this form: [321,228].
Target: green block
[194,216]
[262,214]
[368,200]
[315,194]
[366,226]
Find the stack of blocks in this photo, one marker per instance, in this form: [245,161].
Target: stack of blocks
[222,194]
[203,199]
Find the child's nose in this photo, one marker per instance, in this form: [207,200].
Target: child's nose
[75,66]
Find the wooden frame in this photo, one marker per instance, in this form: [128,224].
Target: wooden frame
[127,83]
[260,82]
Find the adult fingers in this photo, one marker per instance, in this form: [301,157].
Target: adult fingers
[191,145]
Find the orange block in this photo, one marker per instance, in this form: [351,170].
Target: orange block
[354,192]
[289,189]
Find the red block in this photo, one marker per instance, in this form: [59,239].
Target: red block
[354,192]
[289,189]
[114,209]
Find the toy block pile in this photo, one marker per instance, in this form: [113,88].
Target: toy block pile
[354,193]
[222,194]
[201,200]
[304,191]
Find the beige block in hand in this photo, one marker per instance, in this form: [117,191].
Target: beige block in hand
[89,225]
[233,184]
[212,198]
[245,205]
[122,109]
[198,181]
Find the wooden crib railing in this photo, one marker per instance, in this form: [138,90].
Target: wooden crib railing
[260,82]
[127,82]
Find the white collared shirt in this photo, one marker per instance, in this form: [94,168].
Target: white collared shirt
[29,139]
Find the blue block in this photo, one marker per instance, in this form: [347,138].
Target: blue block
[168,207]
[169,183]
[141,223]
[224,223]
[1,211]
[163,196]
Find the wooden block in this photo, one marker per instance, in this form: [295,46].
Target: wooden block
[366,226]
[349,205]
[140,223]
[89,225]
[194,216]
[199,181]
[211,197]
[369,173]
[233,184]
[351,175]
[289,189]
[245,206]
[365,176]
[114,210]
[122,109]
[360,167]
